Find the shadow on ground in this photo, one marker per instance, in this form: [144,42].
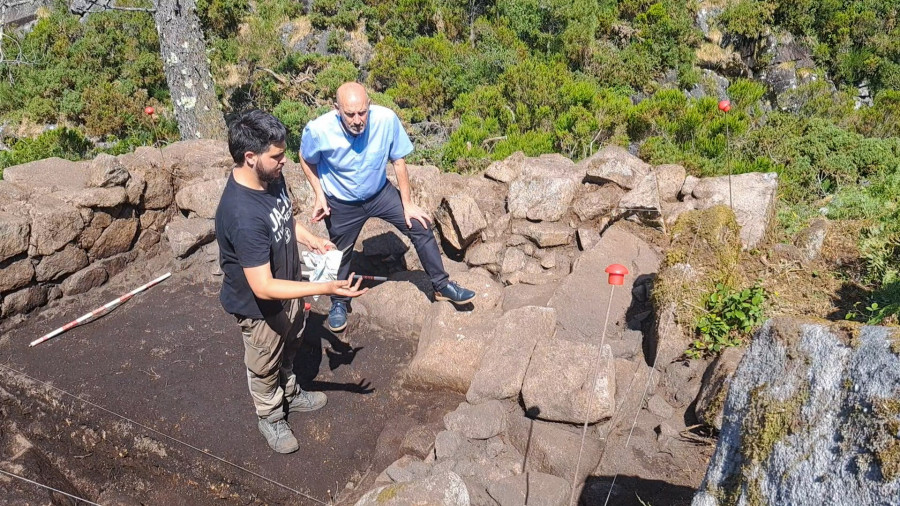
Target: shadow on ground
[633,491]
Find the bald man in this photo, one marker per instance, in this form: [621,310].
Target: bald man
[344,154]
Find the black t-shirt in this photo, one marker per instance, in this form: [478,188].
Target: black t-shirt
[254,227]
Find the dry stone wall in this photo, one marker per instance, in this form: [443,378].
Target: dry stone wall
[67,227]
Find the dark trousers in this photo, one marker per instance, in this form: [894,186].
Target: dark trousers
[347,220]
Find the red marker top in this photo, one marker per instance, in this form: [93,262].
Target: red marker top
[149,110]
[616,274]
[725,105]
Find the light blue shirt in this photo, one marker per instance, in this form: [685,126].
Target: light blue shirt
[353,168]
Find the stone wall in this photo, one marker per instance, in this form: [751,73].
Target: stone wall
[67,227]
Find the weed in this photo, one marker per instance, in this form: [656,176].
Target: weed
[731,315]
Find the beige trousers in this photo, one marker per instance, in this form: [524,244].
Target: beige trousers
[269,348]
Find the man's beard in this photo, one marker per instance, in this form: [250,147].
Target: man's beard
[267,177]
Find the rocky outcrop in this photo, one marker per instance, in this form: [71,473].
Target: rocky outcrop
[811,416]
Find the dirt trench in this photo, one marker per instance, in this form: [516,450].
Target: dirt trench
[171,360]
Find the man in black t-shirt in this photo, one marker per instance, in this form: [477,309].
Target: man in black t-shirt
[258,238]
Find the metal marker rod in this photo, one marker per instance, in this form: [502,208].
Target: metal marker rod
[587,414]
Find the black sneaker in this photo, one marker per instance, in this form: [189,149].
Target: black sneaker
[455,294]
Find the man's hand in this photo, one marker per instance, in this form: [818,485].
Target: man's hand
[414,212]
[320,209]
[320,245]
[346,288]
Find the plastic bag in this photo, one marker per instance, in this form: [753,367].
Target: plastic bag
[324,267]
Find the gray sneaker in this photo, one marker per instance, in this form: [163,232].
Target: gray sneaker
[278,433]
[306,401]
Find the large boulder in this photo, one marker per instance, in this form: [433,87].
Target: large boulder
[597,201]
[94,197]
[544,189]
[710,405]
[502,370]
[147,163]
[427,185]
[751,196]
[530,488]
[567,382]
[201,198]
[811,417]
[544,234]
[553,448]
[302,195]
[116,238]
[582,297]
[398,308]
[506,170]
[106,171]
[90,277]
[479,421]
[614,164]
[487,254]
[16,274]
[460,220]
[185,236]
[451,345]
[49,175]
[14,235]
[24,300]
[54,224]
[67,261]
[441,489]
[488,293]
[197,159]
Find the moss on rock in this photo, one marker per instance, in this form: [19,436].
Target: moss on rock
[705,250]
[769,421]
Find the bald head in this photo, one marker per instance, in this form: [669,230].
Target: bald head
[351,94]
[352,102]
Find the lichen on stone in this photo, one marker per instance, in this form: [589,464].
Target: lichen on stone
[389,492]
[884,441]
[769,421]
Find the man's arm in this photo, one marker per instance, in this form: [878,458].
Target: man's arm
[410,210]
[265,287]
[320,209]
[313,242]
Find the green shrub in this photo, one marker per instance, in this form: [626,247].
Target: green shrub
[748,18]
[62,142]
[730,317]
[220,18]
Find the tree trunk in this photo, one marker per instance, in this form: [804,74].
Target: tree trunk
[184,59]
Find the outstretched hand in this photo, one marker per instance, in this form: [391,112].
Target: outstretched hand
[346,288]
[414,212]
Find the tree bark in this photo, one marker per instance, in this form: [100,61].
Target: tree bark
[183,52]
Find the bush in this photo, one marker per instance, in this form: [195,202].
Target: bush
[62,142]
[748,18]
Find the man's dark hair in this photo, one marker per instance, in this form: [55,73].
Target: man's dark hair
[254,131]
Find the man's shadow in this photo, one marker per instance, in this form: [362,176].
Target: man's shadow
[310,353]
